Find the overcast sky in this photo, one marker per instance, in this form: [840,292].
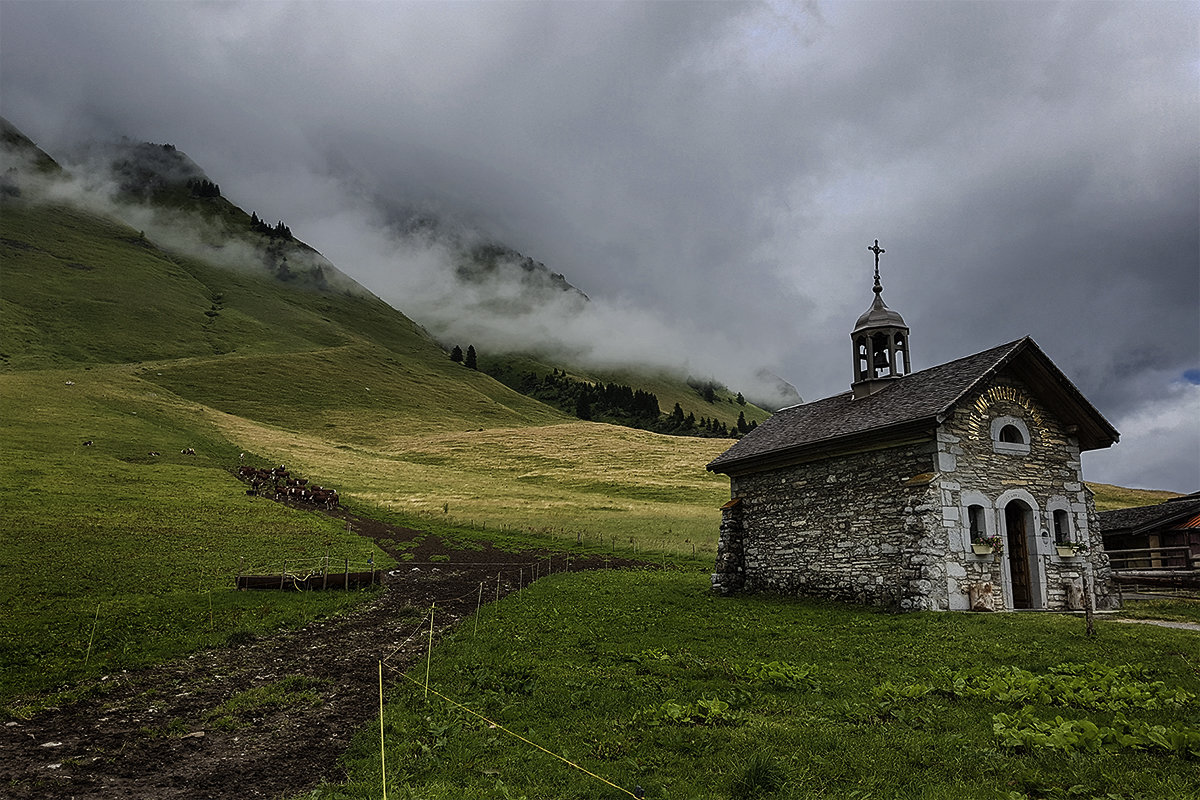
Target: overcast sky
[710,174]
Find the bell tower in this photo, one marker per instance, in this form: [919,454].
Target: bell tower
[880,343]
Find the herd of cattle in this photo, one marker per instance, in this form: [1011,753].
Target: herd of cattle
[278,484]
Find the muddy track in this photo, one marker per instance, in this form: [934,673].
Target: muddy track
[149,734]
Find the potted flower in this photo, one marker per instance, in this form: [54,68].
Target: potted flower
[1070,549]
[983,545]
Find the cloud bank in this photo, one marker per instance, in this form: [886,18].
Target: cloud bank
[710,174]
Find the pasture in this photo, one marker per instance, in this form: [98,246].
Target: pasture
[114,558]
[647,679]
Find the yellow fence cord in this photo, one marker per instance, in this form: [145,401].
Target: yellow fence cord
[425,686]
[382,758]
[515,735]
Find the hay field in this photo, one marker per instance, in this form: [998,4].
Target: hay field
[576,481]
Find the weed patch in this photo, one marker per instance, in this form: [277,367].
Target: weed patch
[241,709]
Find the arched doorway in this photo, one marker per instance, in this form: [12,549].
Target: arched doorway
[1018,517]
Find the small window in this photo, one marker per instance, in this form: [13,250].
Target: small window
[975,521]
[1011,434]
[1062,528]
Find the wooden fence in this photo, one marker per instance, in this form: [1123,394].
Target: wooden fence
[1156,569]
[311,575]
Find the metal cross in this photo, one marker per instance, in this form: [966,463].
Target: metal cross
[877,250]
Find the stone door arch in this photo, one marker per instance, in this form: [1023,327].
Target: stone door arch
[1020,548]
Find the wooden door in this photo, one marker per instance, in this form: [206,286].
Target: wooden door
[1017,545]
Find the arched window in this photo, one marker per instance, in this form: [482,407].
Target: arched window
[881,359]
[975,522]
[902,365]
[1011,434]
[1062,527]
[862,356]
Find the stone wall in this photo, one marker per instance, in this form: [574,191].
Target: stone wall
[730,572]
[1044,474]
[864,528]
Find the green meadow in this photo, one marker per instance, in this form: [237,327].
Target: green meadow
[114,558]
[647,679]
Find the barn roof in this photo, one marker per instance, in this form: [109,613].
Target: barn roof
[1141,518]
[915,402]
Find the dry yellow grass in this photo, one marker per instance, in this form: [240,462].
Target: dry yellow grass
[574,480]
[1109,497]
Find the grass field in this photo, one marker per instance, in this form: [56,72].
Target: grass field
[114,558]
[1109,497]
[648,679]
[573,481]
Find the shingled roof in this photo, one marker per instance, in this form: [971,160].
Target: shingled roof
[915,402]
[1139,518]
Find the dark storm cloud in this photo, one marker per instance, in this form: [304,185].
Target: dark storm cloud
[709,173]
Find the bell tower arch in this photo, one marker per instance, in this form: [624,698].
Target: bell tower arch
[880,337]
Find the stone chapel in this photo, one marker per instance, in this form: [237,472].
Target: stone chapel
[957,487]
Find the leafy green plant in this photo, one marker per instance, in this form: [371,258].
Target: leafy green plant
[777,673]
[1093,685]
[1023,730]
[708,711]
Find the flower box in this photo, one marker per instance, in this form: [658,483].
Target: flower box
[981,548]
[1066,551]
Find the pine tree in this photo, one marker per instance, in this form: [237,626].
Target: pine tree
[583,409]
[741,423]
[676,419]
[456,355]
[741,401]
[469,361]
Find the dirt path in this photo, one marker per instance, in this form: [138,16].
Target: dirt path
[1162,623]
[149,734]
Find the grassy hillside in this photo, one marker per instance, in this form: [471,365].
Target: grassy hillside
[113,557]
[1109,497]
